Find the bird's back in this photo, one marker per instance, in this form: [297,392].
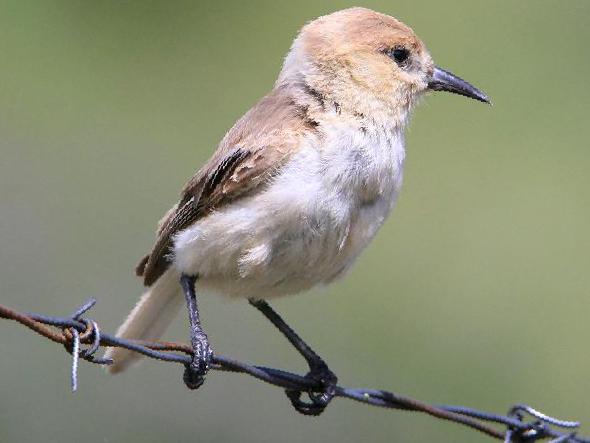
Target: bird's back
[250,154]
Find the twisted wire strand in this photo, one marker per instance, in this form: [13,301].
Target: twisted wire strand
[74,331]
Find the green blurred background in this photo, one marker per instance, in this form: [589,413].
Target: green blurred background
[476,292]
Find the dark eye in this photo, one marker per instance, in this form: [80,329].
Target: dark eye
[399,55]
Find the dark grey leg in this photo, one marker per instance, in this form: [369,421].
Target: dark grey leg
[318,369]
[194,374]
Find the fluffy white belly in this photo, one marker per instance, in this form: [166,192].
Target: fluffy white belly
[307,227]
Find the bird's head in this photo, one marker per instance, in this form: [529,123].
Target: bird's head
[367,63]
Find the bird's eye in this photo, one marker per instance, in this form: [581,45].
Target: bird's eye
[399,55]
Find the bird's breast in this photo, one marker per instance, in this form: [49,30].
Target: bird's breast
[365,164]
[308,225]
[365,168]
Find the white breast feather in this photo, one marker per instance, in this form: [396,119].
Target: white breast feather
[308,226]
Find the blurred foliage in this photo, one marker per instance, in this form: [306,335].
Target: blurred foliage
[475,292]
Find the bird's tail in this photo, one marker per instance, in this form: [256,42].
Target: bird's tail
[149,318]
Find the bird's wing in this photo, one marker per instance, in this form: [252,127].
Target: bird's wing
[215,185]
[252,152]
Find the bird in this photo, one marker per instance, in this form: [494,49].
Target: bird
[297,188]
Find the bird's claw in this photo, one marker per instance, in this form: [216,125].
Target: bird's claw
[195,371]
[322,376]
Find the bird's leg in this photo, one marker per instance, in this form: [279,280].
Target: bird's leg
[194,374]
[318,369]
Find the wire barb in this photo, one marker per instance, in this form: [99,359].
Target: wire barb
[75,359]
[74,331]
[545,418]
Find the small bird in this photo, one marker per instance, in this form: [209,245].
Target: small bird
[298,187]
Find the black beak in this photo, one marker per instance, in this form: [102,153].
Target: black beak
[445,81]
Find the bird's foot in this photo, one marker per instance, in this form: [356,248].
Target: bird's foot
[195,371]
[319,397]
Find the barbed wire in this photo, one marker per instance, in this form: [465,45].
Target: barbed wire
[521,424]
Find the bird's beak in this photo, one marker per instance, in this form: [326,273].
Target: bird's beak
[445,81]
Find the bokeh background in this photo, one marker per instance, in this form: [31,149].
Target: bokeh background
[476,292]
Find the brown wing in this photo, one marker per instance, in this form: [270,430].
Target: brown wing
[253,151]
[234,176]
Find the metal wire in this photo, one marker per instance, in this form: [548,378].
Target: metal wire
[74,331]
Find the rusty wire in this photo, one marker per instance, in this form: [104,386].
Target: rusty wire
[521,424]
